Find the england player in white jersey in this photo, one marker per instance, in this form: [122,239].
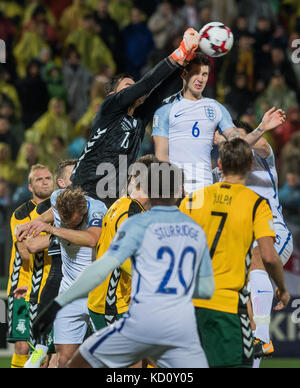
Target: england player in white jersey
[184,126]
[170,264]
[263,179]
[77,224]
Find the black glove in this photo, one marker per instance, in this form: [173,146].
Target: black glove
[44,321]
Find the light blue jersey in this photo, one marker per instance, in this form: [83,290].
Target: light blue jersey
[75,258]
[168,251]
[190,127]
[263,179]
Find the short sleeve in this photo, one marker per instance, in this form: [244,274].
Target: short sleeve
[226,120]
[160,126]
[263,219]
[206,268]
[271,158]
[54,196]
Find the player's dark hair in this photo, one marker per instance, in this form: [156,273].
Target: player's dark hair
[200,59]
[236,157]
[113,83]
[242,124]
[135,172]
[164,184]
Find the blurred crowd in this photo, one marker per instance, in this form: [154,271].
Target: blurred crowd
[60,54]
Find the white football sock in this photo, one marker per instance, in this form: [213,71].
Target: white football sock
[262,295]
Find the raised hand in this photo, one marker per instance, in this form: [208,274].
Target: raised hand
[188,46]
[272,119]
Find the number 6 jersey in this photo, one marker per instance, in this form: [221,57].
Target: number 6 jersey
[190,127]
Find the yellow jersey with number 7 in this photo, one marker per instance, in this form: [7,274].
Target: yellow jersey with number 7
[232,217]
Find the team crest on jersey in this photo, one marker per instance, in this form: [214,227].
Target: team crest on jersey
[210,112]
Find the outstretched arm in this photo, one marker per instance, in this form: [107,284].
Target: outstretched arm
[33,226]
[179,58]
[272,119]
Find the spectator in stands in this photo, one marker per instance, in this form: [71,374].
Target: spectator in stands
[93,51]
[36,14]
[7,109]
[37,10]
[224,11]
[187,16]
[87,119]
[160,24]
[138,44]
[289,194]
[5,201]
[293,56]
[45,57]
[239,98]
[291,148]
[262,47]
[277,94]
[8,171]
[120,11]
[29,46]
[78,81]
[9,90]
[100,81]
[256,10]
[55,82]
[280,62]
[71,17]
[33,94]
[283,133]
[53,123]
[108,30]
[241,60]
[7,137]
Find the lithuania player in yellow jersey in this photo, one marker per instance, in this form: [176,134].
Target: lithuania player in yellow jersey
[233,217]
[41,186]
[111,299]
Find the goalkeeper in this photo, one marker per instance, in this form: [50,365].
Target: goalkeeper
[119,126]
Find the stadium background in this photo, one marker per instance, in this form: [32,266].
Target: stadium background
[59,55]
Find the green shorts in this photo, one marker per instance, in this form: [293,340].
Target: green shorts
[226,338]
[100,321]
[18,320]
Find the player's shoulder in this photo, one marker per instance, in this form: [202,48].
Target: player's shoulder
[95,206]
[43,206]
[54,195]
[24,210]
[255,199]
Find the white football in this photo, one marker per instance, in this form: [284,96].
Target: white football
[216,39]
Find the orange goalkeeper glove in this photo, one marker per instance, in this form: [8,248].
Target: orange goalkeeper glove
[187,47]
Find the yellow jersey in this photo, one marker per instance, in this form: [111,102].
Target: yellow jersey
[39,263]
[18,268]
[232,217]
[112,297]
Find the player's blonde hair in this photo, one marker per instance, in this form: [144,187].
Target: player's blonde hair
[35,168]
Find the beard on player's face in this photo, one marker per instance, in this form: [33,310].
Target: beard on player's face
[43,193]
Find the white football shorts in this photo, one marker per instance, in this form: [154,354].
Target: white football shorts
[71,323]
[109,348]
